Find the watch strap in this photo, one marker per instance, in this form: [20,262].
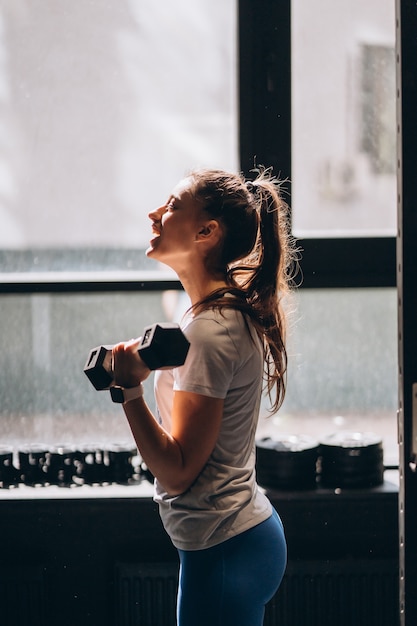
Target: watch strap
[121,395]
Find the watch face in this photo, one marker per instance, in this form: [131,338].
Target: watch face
[117,394]
[121,395]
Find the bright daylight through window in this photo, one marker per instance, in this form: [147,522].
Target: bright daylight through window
[343,351]
[344,126]
[99,124]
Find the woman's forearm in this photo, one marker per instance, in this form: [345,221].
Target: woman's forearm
[159,450]
[176,458]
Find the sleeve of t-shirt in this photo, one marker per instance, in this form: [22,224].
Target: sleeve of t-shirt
[209,366]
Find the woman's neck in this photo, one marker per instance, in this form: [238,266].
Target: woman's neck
[198,286]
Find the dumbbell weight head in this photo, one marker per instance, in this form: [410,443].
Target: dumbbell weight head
[163,345]
[99,367]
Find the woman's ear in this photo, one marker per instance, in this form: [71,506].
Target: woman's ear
[209,231]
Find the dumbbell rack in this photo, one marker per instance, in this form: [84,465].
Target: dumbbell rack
[71,466]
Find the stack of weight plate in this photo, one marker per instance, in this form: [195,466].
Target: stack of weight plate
[351,459]
[289,462]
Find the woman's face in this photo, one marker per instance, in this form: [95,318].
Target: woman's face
[175,227]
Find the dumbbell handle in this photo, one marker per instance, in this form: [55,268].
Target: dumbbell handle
[163,345]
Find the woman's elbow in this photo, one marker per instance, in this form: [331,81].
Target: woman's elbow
[177,485]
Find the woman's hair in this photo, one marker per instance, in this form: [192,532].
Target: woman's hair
[256,256]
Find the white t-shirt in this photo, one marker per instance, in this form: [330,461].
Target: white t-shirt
[224,361]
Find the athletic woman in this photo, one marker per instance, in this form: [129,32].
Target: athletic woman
[227,240]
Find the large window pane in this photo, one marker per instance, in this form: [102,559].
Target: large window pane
[342,371]
[343,118]
[45,396]
[104,106]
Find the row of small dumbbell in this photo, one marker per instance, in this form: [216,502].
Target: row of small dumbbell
[162,345]
[70,466]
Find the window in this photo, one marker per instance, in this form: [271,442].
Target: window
[326,122]
[342,371]
[343,119]
[105,108]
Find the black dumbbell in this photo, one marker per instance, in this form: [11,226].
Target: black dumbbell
[163,345]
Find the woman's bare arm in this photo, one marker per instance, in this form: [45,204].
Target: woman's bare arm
[177,457]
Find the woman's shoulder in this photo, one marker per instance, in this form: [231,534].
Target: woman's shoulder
[212,318]
[226,329]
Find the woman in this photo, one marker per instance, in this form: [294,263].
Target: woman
[227,240]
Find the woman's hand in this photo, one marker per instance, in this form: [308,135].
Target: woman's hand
[128,368]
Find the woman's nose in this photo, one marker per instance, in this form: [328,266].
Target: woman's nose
[156,214]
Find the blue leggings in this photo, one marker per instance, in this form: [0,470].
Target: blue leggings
[230,583]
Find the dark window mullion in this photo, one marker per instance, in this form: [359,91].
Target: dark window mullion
[348,263]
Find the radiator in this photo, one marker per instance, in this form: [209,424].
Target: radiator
[313,593]
[22,596]
[146,594]
[342,593]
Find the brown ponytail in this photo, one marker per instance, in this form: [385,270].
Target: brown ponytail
[256,259]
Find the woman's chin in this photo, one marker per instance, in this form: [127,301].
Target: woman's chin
[151,248]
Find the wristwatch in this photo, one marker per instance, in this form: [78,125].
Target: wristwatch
[121,395]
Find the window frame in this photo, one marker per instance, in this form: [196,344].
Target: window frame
[84,282]
[265,138]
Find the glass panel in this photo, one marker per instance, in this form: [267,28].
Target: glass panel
[343,118]
[46,397]
[103,109]
[342,372]
[342,365]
